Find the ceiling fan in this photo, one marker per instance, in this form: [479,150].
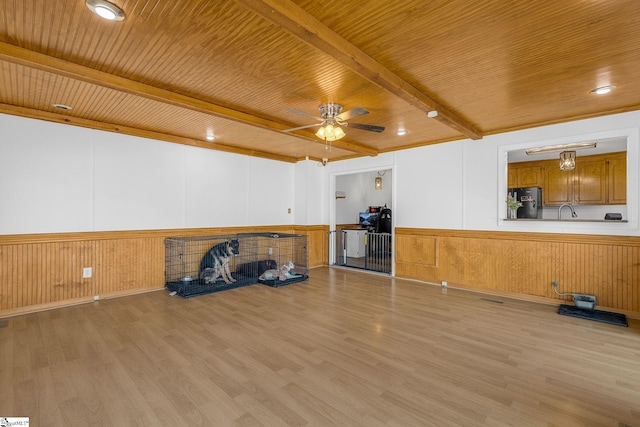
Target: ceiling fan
[332,121]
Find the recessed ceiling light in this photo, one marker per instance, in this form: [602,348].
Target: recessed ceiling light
[401,132]
[602,90]
[105,10]
[433,113]
[210,137]
[61,106]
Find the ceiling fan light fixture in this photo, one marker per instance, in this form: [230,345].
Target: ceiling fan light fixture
[330,132]
[332,121]
[105,10]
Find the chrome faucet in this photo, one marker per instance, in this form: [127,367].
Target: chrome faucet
[573,212]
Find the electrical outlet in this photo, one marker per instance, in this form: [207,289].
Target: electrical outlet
[96,297]
[270,251]
[289,210]
[87,272]
[444,284]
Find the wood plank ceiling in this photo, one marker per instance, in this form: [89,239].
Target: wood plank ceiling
[177,70]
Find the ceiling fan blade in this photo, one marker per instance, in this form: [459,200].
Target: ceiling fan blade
[354,112]
[302,113]
[301,127]
[372,128]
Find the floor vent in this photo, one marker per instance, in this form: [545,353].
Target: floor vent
[495,301]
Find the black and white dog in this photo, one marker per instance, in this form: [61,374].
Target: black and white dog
[216,262]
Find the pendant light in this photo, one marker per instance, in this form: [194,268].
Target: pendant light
[378,182]
[567,160]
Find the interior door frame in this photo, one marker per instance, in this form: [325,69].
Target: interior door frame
[333,206]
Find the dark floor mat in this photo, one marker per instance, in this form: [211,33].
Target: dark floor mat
[597,315]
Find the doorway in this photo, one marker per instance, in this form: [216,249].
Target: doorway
[362,220]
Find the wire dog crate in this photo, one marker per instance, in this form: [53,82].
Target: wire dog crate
[199,265]
[204,264]
[282,258]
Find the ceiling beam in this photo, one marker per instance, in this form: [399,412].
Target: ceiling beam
[144,133]
[39,61]
[301,24]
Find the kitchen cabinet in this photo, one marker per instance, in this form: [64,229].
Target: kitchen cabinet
[525,174]
[512,176]
[590,182]
[617,179]
[558,185]
[530,176]
[596,180]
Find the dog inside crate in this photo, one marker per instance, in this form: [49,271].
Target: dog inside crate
[286,255]
[204,264]
[215,263]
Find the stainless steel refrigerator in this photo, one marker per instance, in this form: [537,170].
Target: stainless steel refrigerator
[531,199]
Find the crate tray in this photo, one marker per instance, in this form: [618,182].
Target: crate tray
[274,283]
[198,287]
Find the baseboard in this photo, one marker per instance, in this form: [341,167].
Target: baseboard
[531,298]
[71,302]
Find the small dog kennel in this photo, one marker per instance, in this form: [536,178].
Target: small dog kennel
[282,258]
[198,265]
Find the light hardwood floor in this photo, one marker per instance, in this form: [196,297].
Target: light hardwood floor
[344,348]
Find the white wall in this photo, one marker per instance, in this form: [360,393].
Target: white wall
[363,165]
[360,194]
[460,185]
[40,166]
[138,183]
[60,178]
[430,187]
[309,188]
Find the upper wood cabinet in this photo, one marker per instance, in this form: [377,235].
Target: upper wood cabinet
[558,185]
[512,177]
[590,182]
[597,180]
[525,174]
[530,176]
[617,179]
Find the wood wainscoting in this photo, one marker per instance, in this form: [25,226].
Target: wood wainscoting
[525,264]
[42,271]
[317,243]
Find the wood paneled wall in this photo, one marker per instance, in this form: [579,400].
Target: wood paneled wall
[317,243]
[525,264]
[43,271]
